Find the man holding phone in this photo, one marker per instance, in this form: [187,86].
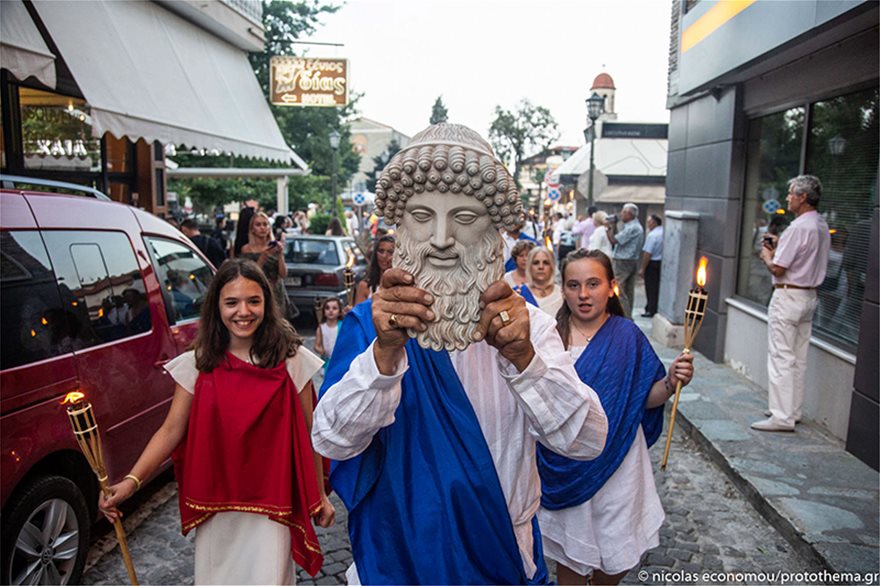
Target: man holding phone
[797,260]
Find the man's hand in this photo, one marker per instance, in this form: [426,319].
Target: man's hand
[682,369]
[511,335]
[326,515]
[397,305]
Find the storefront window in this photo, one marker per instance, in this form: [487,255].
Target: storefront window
[56,133]
[774,152]
[842,150]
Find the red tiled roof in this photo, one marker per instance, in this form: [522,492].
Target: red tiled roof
[603,81]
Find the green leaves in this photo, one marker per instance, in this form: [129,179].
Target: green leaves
[526,130]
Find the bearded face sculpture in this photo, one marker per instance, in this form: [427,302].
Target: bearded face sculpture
[449,196]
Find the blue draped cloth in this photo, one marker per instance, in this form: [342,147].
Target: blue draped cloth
[621,366]
[510,264]
[425,505]
[526,294]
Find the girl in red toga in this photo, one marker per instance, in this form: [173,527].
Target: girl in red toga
[239,428]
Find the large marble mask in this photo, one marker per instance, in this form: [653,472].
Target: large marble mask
[449,196]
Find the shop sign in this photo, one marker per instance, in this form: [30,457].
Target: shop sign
[307,81]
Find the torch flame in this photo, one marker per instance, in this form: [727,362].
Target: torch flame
[701,271]
[548,243]
[616,290]
[73,397]
[350,262]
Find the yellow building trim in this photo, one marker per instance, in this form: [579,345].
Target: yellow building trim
[711,21]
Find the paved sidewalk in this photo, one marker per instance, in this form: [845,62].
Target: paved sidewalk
[820,497]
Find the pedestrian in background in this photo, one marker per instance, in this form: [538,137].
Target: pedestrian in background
[798,261]
[520,256]
[268,253]
[599,239]
[328,326]
[212,249]
[541,272]
[239,427]
[600,516]
[584,228]
[649,270]
[220,234]
[334,228]
[627,250]
[380,261]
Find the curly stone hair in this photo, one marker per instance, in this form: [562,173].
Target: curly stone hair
[449,158]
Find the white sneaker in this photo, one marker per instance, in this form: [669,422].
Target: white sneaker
[768,414]
[770,424]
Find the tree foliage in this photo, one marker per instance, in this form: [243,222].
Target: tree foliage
[439,113]
[379,163]
[521,132]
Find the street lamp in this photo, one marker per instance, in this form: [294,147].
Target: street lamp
[595,108]
[334,145]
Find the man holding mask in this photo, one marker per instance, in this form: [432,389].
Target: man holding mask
[443,383]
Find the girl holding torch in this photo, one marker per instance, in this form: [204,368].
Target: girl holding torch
[599,517]
[239,429]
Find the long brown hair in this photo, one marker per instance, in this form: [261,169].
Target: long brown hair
[563,316]
[274,340]
[374,273]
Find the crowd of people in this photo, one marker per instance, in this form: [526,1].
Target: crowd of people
[499,418]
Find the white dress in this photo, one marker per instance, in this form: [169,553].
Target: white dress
[328,335]
[599,241]
[244,548]
[551,303]
[612,530]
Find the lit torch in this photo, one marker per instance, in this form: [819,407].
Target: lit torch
[85,430]
[693,319]
[348,276]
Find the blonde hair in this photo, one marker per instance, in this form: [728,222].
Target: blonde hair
[535,252]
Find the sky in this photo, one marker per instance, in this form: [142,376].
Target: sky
[477,54]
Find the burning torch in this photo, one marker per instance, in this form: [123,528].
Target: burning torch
[85,430]
[693,319]
[348,276]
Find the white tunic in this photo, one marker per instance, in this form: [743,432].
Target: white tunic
[552,302]
[328,337]
[244,548]
[546,402]
[612,530]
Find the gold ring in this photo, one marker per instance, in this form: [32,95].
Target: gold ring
[392,321]
[505,317]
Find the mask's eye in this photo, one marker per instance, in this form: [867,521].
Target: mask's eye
[466,217]
[421,215]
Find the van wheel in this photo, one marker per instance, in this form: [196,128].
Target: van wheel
[45,533]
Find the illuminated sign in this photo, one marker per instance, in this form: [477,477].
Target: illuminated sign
[307,81]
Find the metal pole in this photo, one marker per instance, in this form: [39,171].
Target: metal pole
[336,199]
[592,168]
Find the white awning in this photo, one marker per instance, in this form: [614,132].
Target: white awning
[643,194]
[147,73]
[22,49]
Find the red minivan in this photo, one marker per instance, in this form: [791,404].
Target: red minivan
[96,297]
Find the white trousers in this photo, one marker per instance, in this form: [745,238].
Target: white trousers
[789,324]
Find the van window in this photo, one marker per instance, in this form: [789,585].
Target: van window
[33,324]
[100,284]
[183,275]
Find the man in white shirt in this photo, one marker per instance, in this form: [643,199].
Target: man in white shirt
[435,449]
[649,270]
[798,261]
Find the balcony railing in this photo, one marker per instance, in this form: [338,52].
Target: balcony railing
[251,9]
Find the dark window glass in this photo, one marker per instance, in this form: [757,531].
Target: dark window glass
[843,150]
[307,251]
[774,153]
[183,275]
[160,187]
[34,322]
[352,249]
[99,275]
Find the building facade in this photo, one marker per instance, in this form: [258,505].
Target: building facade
[94,92]
[371,139]
[760,92]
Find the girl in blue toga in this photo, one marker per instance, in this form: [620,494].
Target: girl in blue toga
[599,517]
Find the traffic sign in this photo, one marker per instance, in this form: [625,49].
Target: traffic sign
[359,199]
[552,180]
[554,194]
[771,205]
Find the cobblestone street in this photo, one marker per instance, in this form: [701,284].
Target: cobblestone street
[709,527]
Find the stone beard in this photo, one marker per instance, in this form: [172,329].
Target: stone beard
[456,290]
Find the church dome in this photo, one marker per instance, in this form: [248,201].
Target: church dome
[603,81]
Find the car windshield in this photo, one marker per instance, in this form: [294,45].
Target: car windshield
[315,252]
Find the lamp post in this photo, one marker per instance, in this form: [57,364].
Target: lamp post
[595,108]
[334,145]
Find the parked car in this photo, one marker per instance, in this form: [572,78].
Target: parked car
[315,268]
[96,297]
